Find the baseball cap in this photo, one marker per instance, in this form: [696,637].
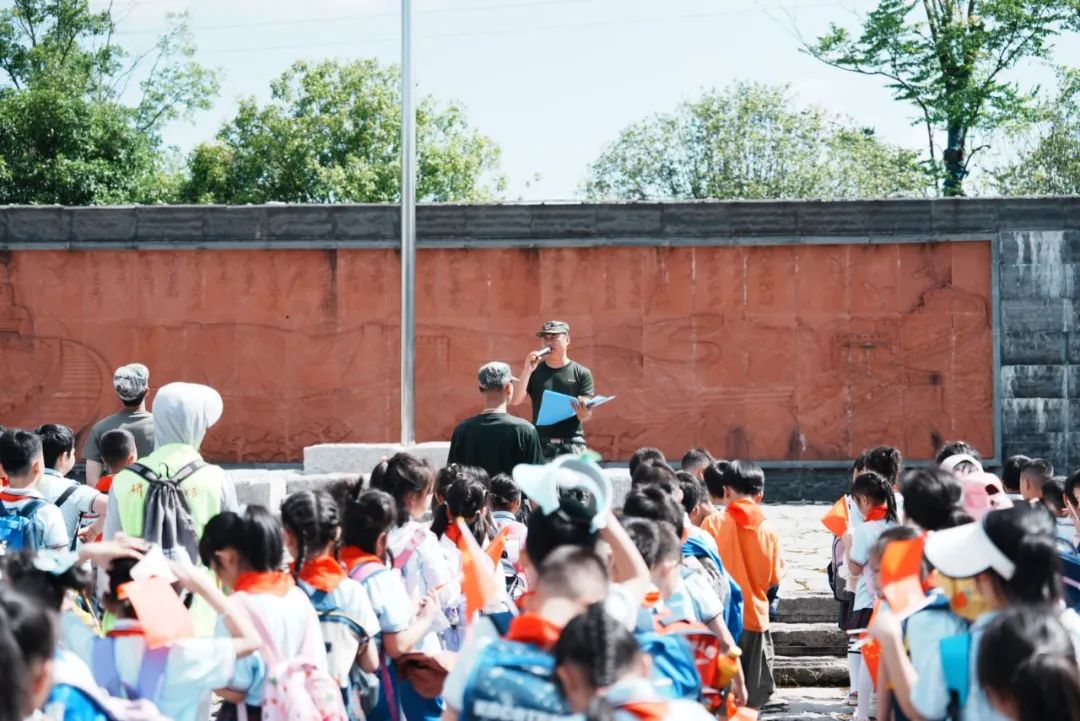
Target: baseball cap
[966,551]
[494,375]
[983,493]
[555,326]
[950,463]
[131,381]
[542,485]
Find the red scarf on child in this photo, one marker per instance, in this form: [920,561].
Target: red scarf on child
[277,583]
[534,629]
[877,513]
[351,557]
[323,573]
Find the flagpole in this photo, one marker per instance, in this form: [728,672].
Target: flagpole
[408,232]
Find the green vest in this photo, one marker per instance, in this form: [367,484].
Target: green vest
[202,490]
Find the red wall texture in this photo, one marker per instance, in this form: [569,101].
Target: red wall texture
[786,352]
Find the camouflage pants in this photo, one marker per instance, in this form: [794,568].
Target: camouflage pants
[552,449]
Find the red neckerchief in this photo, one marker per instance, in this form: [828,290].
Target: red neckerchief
[16,497]
[454,534]
[647,710]
[534,629]
[351,557]
[277,583]
[118,632]
[652,599]
[323,573]
[745,513]
[877,513]
[523,599]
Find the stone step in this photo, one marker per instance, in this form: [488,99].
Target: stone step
[794,671]
[809,608]
[808,639]
[797,704]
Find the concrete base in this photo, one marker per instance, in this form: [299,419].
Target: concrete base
[362,457]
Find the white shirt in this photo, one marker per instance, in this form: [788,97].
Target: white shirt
[79,503]
[863,536]
[48,521]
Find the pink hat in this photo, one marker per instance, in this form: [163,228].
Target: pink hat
[983,493]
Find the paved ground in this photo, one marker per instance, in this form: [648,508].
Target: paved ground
[804,546]
[792,704]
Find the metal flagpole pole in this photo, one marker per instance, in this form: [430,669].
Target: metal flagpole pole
[408,232]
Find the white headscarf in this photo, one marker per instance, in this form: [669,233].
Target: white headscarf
[183,412]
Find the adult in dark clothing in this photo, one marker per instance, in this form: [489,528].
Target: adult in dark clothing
[556,372]
[131,382]
[495,440]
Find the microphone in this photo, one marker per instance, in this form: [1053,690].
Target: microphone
[540,354]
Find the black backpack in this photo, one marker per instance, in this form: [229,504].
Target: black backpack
[167,520]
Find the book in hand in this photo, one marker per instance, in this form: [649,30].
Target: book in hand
[557,407]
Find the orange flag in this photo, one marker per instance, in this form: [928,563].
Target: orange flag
[477,579]
[871,649]
[495,549]
[736,713]
[901,567]
[836,519]
[161,613]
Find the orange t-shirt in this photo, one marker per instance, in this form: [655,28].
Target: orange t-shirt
[750,549]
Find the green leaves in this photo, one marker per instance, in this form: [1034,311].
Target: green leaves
[748,141]
[331,133]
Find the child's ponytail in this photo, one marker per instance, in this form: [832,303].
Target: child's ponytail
[312,518]
[879,490]
[600,644]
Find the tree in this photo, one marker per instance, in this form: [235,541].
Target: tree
[66,133]
[949,59]
[748,141]
[331,133]
[1049,162]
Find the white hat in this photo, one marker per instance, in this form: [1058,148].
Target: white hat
[542,483]
[966,551]
[950,463]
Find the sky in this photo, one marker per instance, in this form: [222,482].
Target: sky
[551,81]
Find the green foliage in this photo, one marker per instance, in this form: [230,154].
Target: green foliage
[66,136]
[949,59]
[749,141]
[331,133]
[1049,160]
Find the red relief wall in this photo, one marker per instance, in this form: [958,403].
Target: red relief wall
[786,352]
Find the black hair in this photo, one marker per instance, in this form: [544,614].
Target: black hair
[368,515]
[1026,534]
[696,457]
[715,474]
[119,573]
[135,402]
[27,637]
[956,448]
[313,518]
[745,478]
[878,489]
[655,542]
[17,569]
[56,440]
[885,461]
[504,493]
[255,535]
[652,503]
[568,525]
[1027,655]
[1039,470]
[1053,495]
[931,495]
[465,498]
[116,446]
[1071,484]
[599,644]
[18,449]
[645,455]
[401,476]
[692,491]
[1010,472]
[655,474]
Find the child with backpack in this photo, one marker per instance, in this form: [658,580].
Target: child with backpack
[83,507]
[605,675]
[505,503]
[312,525]
[1007,559]
[368,519]
[27,519]
[750,549]
[245,552]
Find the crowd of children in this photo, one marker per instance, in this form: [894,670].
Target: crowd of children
[425,593]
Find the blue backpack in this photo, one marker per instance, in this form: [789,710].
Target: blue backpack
[733,600]
[17,529]
[514,680]
[675,674]
[151,673]
[71,699]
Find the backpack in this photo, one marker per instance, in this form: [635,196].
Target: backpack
[956,664]
[167,519]
[17,529]
[837,584]
[60,501]
[675,670]
[722,582]
[74,698]
[151,673]
[512,680]
[295,689]
[344,637]
[365,688]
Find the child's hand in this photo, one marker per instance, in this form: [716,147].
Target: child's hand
[105,552]
[886,625]
[191,577]
[429,607]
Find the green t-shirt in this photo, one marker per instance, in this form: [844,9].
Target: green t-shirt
[573,379]
[495,442]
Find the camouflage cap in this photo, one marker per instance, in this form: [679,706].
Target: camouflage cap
[494,376]
[555,326]
[131,381]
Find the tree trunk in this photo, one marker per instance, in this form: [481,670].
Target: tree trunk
[953,159]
